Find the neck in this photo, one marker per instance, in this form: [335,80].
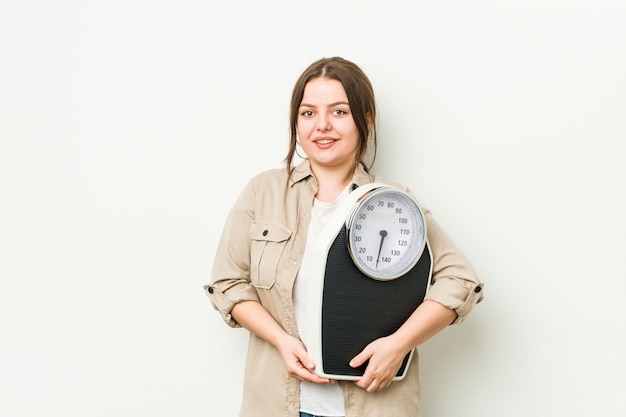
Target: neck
[331,182]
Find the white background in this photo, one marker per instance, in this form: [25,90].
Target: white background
[127,128]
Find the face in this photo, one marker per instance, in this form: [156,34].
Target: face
[328,134]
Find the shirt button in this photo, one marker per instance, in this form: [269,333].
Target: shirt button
[210,290]
[265,232]
[478,289]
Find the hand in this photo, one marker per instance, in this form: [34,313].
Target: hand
[297,361]
[385,357]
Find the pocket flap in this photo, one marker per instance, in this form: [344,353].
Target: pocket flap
[270,232]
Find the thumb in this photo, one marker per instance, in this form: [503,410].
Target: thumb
[360,359]
[306,360]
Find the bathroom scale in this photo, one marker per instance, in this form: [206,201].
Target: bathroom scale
[374,270]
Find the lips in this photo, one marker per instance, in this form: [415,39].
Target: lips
[324,141]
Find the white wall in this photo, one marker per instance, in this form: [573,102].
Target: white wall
[127,128]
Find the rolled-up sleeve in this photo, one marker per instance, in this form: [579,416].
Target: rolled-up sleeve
[224,297]
[454,284]
[230,274]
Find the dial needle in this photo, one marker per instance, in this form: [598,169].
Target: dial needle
[383,233]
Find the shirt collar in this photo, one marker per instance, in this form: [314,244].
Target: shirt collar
[303,171]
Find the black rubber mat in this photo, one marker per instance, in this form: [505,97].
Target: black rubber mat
[357,309]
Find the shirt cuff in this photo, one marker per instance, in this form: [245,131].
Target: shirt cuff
[456,294]
[224,300]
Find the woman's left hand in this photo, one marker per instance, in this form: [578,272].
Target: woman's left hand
[385,357]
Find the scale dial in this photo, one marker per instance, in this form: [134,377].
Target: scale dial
[386,233]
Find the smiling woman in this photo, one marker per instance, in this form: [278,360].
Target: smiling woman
[265,261]
[327,132]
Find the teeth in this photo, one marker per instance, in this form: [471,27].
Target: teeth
[325,141]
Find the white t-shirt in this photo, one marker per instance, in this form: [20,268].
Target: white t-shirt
[316,399]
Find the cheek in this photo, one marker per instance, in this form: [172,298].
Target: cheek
[348,129]
[304,127]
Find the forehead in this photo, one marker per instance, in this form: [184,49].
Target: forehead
[324,90]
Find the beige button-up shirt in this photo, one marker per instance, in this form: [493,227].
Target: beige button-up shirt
[258,258]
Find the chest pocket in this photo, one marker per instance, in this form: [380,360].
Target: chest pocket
[268,244]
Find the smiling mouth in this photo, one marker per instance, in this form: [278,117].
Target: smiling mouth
[324,141]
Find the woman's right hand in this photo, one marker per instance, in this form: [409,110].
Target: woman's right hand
[298,362]
[254,317]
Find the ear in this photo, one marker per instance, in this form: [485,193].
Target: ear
[369,121]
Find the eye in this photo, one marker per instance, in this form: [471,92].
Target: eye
[340,112]
[306,113]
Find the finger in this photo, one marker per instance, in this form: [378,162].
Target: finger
[378,385]
[372,386]
[384,384]
[374,381]
[360,359]
[302,371]
[306,360]
[308,363]
[312,377]
[365,382]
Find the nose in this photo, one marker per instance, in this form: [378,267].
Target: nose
[323,123]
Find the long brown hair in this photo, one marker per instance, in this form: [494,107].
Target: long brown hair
[360,97]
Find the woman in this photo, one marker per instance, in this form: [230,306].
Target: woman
[261,262]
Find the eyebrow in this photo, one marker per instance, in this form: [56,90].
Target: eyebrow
[337,103]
